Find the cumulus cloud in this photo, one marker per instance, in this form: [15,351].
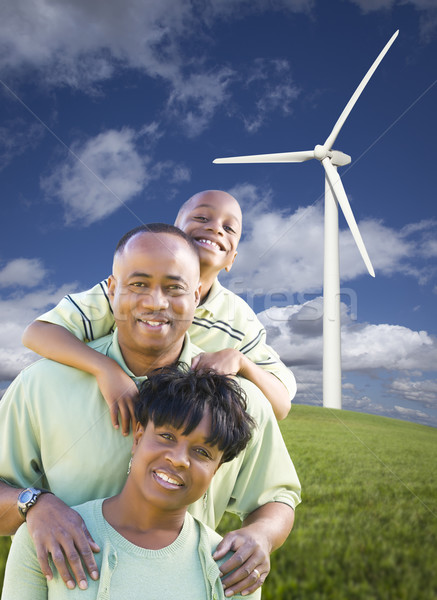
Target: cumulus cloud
[24,272]
[17,309]
[271,88]
[293,242]
[114,36]
[195,98]
[99,176]
[296,333]
[422,391]
[104,173]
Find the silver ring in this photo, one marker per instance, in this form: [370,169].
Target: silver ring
[258,574]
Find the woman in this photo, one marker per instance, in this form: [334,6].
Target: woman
[189,423]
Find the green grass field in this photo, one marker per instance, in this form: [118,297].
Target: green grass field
[367,527]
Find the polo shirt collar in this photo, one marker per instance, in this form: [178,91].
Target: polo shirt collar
[114,352]
[213,301]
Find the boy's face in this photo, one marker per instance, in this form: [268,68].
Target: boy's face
[214,220]
[171,470]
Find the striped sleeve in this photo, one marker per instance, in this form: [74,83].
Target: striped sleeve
[87,315]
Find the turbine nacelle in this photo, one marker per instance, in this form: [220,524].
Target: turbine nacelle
[338,159]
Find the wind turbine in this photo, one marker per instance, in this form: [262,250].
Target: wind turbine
[334,196]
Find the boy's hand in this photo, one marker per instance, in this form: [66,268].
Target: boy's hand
[60,531]
[120,393]
[225,362]
[251,561]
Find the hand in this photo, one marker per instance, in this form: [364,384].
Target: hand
[120,393]
[225,362]
[251,560]
[61,532]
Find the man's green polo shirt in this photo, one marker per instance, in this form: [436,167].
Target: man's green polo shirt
[57,434]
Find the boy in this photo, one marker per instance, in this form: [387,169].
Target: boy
[224,326]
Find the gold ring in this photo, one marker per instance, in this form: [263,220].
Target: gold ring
[258,574]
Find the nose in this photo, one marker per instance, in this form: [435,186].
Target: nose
[215,226]
[178,456]
[154,299]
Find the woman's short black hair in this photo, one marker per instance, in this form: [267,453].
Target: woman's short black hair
[179,396]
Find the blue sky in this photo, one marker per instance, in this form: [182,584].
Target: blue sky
[111,115]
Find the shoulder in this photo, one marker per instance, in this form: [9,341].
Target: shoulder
[89,509]
[257,404]
[222,299]
[91,513]
[207,535]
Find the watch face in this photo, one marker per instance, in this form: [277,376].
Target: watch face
[26,496]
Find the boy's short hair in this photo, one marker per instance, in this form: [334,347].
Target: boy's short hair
[155,228]
[179,396]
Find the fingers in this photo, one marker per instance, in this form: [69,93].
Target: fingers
[63,553]
[247,569]
[59,532]
[248,585]
[113,411]
[246,579]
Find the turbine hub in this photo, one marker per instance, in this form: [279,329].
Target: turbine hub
[320,152]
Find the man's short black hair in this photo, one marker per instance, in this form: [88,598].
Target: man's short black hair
[179,396]
[156,228]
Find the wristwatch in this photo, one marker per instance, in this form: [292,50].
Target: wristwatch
[27,498]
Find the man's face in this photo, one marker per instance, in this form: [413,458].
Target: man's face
[154,290]
[171,470]
[213,219]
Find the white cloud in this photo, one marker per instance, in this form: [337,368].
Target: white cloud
[293,242]
[17,310]
[422,391]
[24,272]
[271,89]
[195,98]
[144,35]
[104,173]
[296,333]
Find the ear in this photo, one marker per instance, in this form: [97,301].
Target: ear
[197,294]
[111,286]
[139,432]
[229,267]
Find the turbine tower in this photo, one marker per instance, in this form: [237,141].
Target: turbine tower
[334,195]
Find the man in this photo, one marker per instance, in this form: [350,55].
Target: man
[68,446]
[224,326]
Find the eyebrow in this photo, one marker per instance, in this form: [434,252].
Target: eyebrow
[149,276]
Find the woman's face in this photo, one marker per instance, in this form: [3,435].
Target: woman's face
[172,470]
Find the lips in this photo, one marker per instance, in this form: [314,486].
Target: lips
[167,480]
[210,244]
[154,323]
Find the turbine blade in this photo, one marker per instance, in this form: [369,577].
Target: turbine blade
[338,190]
[280,157]
[349,106]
